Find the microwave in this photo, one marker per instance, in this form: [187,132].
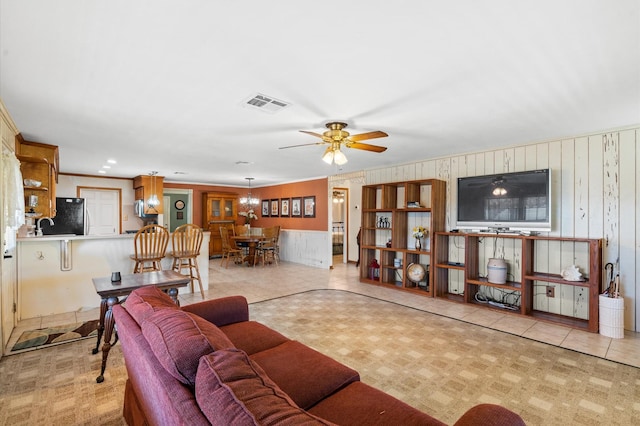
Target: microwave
[138,209]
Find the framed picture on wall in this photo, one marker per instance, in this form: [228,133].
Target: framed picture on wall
[309,206]
[180,215]
[284,207]
[265,208]
[296,207]
[274,208]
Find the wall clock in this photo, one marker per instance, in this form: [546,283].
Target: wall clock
[416,272]
[179,204]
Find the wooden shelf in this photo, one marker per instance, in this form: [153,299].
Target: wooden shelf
[39,162]
[466,250]
[391,201]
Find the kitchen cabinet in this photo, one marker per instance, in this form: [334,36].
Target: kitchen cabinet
[39,162]
[390,212]
[534,286]
[145,187]
[218,209]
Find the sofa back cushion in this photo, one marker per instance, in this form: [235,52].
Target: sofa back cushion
[145,301]
[178,339]
[232,390]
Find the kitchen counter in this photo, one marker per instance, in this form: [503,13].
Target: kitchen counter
[55,272]
[73,237]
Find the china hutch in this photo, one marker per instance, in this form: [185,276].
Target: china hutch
[218,209]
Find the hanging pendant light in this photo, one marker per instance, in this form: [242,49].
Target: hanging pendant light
[249,201]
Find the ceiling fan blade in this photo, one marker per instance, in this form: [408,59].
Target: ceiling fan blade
[304,144]
[366,146]
[369,135]
[318,135]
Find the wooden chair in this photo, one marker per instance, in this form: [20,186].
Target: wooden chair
[268,249]
[240,230]
[149,245]
[229,249]
[186,242]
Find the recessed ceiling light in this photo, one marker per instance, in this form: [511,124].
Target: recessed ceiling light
[179,173]
[111,161]
[106,167]
[102,171]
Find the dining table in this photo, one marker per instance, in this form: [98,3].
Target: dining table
[251,242]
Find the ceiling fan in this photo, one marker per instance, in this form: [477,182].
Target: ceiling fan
[336,136]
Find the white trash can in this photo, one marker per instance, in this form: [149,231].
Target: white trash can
[612,316]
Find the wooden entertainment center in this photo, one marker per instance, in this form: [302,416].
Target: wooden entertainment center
[528,273]
[454,261]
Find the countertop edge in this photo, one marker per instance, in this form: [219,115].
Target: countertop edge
[79,237]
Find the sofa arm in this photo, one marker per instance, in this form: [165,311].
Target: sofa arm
[489,415]
[223,311]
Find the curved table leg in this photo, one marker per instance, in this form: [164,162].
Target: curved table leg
[103,311]
[173,293]
[108,330]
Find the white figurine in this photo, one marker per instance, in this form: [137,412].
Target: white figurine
[571,273]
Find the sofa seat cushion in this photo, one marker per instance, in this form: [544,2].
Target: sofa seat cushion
[304,374]
[145,301]
[178,339]
[233,390]
[361,404]
[252,337]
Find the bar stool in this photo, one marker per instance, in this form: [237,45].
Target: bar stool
[186,242]
[149,245]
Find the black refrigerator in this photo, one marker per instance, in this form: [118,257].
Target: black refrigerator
[70,217]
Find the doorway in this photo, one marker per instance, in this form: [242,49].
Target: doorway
[178,207]
[339,225]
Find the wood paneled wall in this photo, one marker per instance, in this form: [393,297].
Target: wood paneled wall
[595,193]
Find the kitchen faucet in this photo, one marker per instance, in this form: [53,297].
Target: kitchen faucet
[39,228]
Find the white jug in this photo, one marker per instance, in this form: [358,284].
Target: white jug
[497,271]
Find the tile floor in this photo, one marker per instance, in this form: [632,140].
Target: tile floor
[271,281]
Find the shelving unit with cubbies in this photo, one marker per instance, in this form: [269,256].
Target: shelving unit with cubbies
[523,292]
[387,223]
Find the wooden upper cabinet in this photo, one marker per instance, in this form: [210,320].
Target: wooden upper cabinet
[145,186]
[218,209]
[221,206]
[39,162]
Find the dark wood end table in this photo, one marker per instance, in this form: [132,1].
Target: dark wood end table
[111,291]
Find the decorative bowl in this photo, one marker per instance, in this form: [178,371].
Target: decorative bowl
[31,182]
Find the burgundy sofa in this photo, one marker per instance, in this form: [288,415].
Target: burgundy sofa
[207,363]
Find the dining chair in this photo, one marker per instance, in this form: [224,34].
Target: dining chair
[268,248]
[149,245]
[229,249]
[186,242]
[240,230]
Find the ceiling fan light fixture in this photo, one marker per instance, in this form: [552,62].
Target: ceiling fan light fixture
[327,157]
[499,191]
[339,158]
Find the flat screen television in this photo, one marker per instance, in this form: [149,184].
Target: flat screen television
[518,201]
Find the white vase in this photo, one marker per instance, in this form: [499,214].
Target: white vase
[418,244]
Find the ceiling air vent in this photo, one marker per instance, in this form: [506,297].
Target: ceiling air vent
[265,103]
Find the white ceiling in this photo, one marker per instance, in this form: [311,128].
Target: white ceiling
[159,85]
